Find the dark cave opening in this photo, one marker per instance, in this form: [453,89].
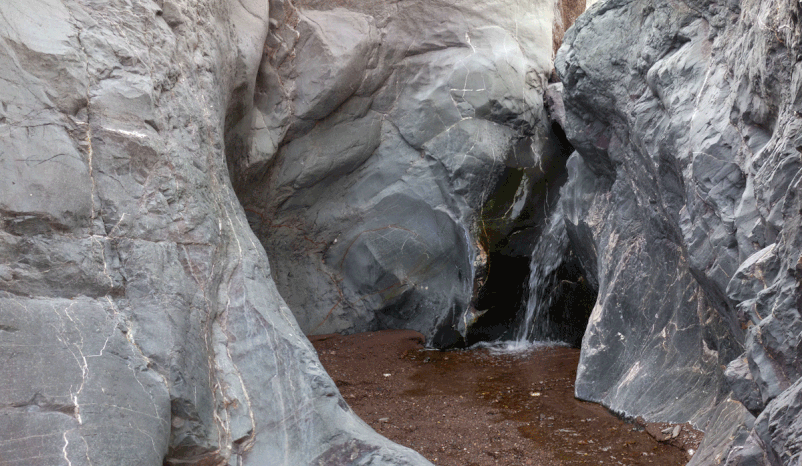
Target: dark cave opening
[570,300]
[566,294]
[504,298]
[500,299]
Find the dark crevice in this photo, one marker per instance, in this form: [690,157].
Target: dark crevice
[501,299]
[571,299]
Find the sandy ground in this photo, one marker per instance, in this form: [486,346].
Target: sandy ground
[481,407]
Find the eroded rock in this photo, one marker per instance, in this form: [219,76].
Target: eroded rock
[684,199]
[139,324]
[392,128]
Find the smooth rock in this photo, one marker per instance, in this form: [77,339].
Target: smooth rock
[381,134]
[139,324]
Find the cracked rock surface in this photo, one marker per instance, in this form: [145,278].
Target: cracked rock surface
[683,201]
[139,324]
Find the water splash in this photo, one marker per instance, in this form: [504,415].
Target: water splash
[515,347]
[547,256]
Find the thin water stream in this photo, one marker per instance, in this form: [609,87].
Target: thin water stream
[547,257]
[500,403]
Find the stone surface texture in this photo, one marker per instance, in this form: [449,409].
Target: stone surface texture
[683,203]
[139,324]
[151,151]
[381,132]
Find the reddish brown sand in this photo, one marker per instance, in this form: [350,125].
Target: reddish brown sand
[477,408]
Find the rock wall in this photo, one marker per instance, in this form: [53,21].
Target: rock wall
[382,132]
[684,201]
[139,324]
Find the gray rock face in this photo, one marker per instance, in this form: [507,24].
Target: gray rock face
[391,127]
[684,201]
[138,321]
[777,437]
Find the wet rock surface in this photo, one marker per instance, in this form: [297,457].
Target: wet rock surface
[684,201]
[479,407]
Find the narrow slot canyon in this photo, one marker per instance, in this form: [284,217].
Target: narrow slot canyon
[400,232]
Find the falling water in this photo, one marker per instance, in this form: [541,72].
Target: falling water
[547,257]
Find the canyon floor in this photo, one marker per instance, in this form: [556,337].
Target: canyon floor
[489,406]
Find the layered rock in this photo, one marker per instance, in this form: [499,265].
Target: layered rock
[383,132]
[683,206]
[138,321]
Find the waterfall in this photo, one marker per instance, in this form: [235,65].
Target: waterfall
[547,257]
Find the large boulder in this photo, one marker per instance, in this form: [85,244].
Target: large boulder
[683,202]
[382,131]
[139,324]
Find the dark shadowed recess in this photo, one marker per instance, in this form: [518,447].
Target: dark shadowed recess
[502,299]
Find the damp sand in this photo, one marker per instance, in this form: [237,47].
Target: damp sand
[501,405]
